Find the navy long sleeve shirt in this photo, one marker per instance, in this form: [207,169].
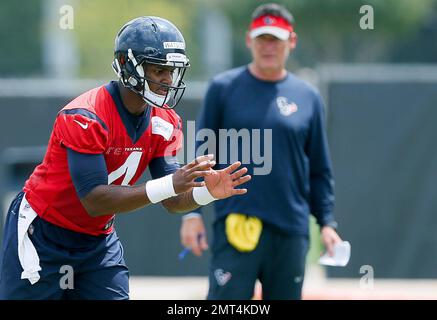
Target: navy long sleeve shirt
[285,119]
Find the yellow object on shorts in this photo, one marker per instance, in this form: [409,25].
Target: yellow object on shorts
[243,231]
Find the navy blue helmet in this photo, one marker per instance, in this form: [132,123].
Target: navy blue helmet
[151,40]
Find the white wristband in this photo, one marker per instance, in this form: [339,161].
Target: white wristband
[202,196]
[160,189]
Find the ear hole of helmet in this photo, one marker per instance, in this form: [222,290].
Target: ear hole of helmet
[129,72]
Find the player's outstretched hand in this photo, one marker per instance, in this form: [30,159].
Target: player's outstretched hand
[183,178]
[221,183]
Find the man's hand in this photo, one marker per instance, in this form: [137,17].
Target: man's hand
[183,178]
[221,183]
[329,239]
[191,228]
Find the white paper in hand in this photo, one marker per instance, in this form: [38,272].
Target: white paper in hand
[342,253]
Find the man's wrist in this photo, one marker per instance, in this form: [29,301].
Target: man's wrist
[333,224]
[191,215]
[160,189]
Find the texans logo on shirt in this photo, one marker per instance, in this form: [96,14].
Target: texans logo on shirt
[284,107]
[269,20]
[222,277]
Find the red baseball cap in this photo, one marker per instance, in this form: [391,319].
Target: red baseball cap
[273,25]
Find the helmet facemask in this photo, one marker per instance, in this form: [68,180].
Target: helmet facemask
[131,70]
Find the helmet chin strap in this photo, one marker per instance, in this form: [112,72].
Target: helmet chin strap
[154,98]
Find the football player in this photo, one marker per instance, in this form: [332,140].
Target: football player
[100,145]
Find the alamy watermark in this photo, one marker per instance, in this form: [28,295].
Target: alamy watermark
[367,21]
[66,19]
[366,281]
[67,280]
[250,146]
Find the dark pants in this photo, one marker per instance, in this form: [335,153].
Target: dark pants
[278,262]
[97,264]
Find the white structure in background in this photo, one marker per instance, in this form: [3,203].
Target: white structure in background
[60,53]
[216,42]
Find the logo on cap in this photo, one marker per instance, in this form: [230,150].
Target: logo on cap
[279,27]
[268,20]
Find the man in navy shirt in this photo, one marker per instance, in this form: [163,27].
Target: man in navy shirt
[264,234]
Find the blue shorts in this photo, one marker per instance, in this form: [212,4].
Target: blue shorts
[73,265]
[278,262]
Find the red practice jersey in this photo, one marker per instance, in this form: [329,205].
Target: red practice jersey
[92,124]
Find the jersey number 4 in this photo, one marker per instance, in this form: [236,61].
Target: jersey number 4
[129,168]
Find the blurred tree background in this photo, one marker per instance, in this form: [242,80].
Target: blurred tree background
[20,36]
[328,30]
[98,22]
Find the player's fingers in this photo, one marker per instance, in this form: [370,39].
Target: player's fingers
[238,173]
[239,191]
[232,167]
[198,174]
[241,180]
[201,166]
[196,184]
[200,159]
[205,165]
